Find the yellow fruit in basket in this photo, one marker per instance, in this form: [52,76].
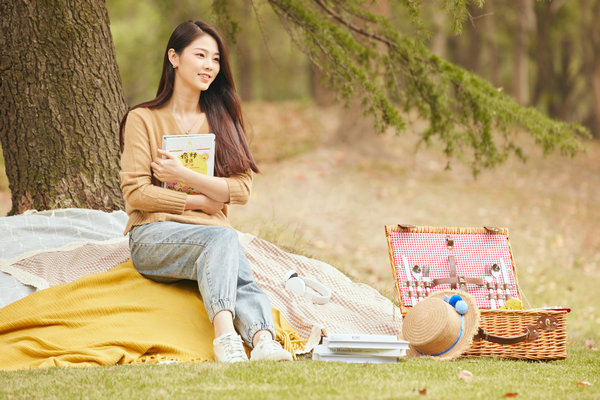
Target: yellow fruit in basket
[512,304]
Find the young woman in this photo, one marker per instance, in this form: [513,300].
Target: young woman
[174,235]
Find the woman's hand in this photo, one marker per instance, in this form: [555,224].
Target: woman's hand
[203,203]
[168,169]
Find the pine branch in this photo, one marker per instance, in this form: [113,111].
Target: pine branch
[361,53]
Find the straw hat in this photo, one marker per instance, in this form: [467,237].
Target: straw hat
[440,329]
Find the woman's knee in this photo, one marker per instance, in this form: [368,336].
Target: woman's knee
[225,237]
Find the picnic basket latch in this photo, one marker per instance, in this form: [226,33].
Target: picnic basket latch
[532,332]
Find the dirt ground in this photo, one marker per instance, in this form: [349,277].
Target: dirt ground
[328,195]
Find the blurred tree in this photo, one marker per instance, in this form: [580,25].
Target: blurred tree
[61,100]
[521,59]
[590,38]
[354,126]
[366,58]
[263,57]
[140,32]
[556,72]
[542,53]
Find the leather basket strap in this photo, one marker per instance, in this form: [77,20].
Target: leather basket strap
[462,280]
[531,332]
[454,281]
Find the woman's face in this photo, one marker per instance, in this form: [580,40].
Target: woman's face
[198,63]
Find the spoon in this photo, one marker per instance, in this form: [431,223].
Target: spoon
[497,273]
[417,273]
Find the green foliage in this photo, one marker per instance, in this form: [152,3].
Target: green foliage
[229,25]
[365,57]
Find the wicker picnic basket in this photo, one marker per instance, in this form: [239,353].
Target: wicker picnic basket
[457,258]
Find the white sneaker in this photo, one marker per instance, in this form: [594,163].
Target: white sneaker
[271,350]
[229,348]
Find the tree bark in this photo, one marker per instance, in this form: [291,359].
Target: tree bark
[490,37]
[591,61]
[62,101]
[439,40]
[545,79]
[245,51]
[521,73]
[354,124]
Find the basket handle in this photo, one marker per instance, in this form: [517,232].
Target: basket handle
[531,333]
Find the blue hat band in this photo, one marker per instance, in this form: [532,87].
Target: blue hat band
[462,327]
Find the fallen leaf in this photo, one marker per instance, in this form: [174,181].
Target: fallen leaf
[583,383]
[589,343]
[465,375]
[423,391]
[511,394]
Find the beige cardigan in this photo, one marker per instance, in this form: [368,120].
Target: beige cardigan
[146,201]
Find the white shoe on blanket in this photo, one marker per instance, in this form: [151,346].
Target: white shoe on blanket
[270,350]
[229,348]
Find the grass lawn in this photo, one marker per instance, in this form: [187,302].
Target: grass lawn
[492,379]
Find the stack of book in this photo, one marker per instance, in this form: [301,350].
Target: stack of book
[374,349]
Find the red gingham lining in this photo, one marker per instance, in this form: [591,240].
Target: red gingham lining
[471,251]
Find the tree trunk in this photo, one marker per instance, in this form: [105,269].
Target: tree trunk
[62,101]
[545,83]
[439,40]
[489,54]
[594,124]
[245,51]
[591,61]
[322,93]
[354,124]
[521,73]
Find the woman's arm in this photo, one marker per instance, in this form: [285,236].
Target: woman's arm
[170,169]
[136,176]
[234,189]
[204,203]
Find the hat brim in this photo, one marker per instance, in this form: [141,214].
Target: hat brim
[472,321]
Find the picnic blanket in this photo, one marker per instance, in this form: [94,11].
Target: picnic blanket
[115,317]
[47,248]
[65,249]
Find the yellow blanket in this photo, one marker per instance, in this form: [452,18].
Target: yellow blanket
[116,317]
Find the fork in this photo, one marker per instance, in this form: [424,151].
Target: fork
[489,279]
[426,280]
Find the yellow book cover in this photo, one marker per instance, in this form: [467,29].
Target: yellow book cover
[196,152]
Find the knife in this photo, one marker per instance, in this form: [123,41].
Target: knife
[505,277]
[413,299]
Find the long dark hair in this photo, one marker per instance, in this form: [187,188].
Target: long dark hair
[220,102]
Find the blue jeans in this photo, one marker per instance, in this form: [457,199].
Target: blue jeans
[169,251]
